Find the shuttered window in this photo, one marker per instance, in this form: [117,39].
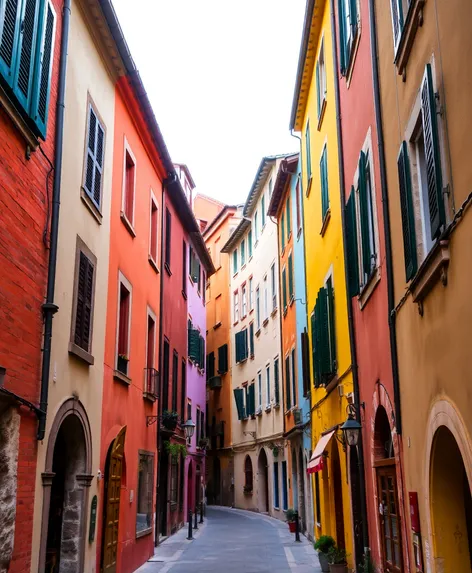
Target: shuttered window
[305,362]
[168,238]
[251,340]
[239,400]
[347,10]
[27,31]
[324,336]
[94,158]
[276,485]
[282,231]
[175,374]
[294,378]
[249,243]
[366,216]
[263,211]
[284,288]
[276,382]
[288,401]
[398,20]
[324,182]
[308,151]
[289,218]
[84,302]
[251,400]
[210,365]
[194,350]
[223,359]
[241,345]
[291,292]
[184,267]
[408,217]
[235,261]
[351,246]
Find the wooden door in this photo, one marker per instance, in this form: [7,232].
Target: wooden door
[390,530]
[112,502]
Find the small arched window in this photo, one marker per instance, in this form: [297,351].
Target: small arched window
[248,474]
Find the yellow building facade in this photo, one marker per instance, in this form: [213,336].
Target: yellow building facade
[314,117]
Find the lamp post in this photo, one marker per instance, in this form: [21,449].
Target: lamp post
[189,428]
[351,428]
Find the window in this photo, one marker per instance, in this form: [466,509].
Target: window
[317,498]
[294,378]
[284,486]
[223,359]
[299,206]
[129,182]
[26,56]
[347,31]
[288,401]
[236,306]
[256,227]
[305,346]
[184,267]
[165,377]
[291,292]
[289,218]
[153,231]
[243,253]
[323,337]
[273,283]
[194,268]
[308,154]
[276,382]
[84,296]
[210,369]
[259,389]
[94,156]
[249,243]
[241,345]
[258,309]
[324,183]
[268,385]
[173,484]
[399,11]
[124,323]
[266,299]
[168,239]
[217,254]
[183,392]
[271,187]
[284,288]
[321,80]
[204,286]
[282,231]
[251,340]
[144,494]
[235,261]
[151,340]
[189,410]
[263,211]
[276,485]
[175,375]
[198,429]
[218,303]
[248,480]
[251,294]
[244,300]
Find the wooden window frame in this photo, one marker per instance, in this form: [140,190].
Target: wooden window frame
[150,462]
[128,223]
[153,207]
[122,280]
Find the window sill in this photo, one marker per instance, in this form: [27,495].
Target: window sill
[235,274]
[274,312]
[258,332]
[285,311]
[127,223]
[153,264]
[17,119]
[299,233]
[144,532]
[91,206]
[236,323]
[252,356]
[81,353]
[167,268]
[326,220]
[217,325]
[292,298]
[353,55]
[369,288]
[276,405]
[266,322]
[243,267]
[322,113]
[433,270]
[414,20]
[268,408]
[308,187]
[184,294]
[150,397]
[243,361]
[259,411]
[251,311]
[247,492]
[120,377]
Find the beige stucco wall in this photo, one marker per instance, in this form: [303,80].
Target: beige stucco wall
[87,76]
[269,425]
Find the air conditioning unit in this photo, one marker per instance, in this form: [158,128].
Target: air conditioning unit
[298,416]
[214,382]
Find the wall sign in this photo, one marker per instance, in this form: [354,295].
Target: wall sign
[93,519]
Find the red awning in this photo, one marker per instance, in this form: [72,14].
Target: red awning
[317,460]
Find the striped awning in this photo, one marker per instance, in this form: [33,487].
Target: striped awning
[317,460]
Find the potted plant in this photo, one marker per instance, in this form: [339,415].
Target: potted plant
[367,565]
[323,546]
[337,560]
[291,515]
[122,364]
[203,443]
[170,419]
[175,450]
[247,490]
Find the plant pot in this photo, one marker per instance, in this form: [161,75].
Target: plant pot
[170,424]
[323,562]
[338,568]
[292,526]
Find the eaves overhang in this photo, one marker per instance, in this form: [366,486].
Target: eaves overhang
[237,235]
[286,169]
[225,211]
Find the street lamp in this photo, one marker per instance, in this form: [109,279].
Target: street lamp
[351,428]
[189,428]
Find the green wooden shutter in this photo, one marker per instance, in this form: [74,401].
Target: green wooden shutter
[42,81]
[351,239]
[344,57]
[235,261]
[223,359]
[251,339]
[94,160]
[289,219]
[249,240]
[353,18]
[83,318]
[324,334]
[194,346]
[244,343]
[189,336]
[238,398]
[364,208]
[318,89]
[397,19]
[437,213]
[284,288]
[315,343]
[308,151]
[10,16]
[332,326]
[282,230]
[324,182]
[408,216]
[305,362]
[276,382]
[263,215]
[290,276]
[288,402]
[252,401]
[236,347]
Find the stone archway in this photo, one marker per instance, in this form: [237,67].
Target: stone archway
[67,477]
[263,482]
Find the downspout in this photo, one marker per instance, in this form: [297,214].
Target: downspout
[49,308]
[386,215]
[352,339]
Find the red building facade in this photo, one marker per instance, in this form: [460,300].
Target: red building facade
[25,192]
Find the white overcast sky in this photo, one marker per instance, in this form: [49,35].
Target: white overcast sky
[220,76]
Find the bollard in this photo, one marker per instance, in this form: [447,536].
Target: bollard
[195,525]
[297,527]
[189,524]
[201,512]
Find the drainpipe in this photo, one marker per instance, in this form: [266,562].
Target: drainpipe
[49,308]
[386,215]
[352,339]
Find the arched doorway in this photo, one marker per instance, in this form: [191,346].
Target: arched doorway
[356,504]
[111,501]
[263,473]
[338,495]
[451,505]
[302,504]
[389,509]
[295,481]
[248,475]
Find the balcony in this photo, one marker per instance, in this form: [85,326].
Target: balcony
[215,382]
[151,384]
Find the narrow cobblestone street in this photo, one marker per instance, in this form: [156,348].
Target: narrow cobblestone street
[232,541]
